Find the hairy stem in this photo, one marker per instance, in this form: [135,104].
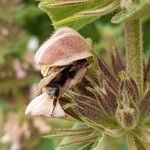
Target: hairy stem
[134,52]
[131,142]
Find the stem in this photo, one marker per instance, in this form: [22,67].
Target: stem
[102,143]
[131,142]
[134,52]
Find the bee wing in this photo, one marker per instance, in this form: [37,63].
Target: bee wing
[77,78]
[70,83]
[42,105]
[45,81]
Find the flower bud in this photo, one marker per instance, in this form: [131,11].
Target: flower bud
[127,113]
[127,117]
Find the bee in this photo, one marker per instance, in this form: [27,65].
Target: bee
[64,62]
[59,80]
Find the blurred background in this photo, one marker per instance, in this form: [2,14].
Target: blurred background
[23,27]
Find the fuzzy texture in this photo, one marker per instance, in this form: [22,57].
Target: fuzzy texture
[126,4]
[108,101]
[134,52]
[63,48]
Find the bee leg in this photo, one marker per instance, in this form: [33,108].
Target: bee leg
[54,105]
[53,93]
[56,94]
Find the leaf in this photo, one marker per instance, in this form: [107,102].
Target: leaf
[72,143]
[81,140]
[86,146]
[45,144]
[135,12]
[4,105]
[77,13]
[30,11]
[69,132]
[108,143]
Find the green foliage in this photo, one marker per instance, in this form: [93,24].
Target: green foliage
[108,143]
[77,15]
[146,33]
[45,144]
[136,11]
[30,18]
[92,18]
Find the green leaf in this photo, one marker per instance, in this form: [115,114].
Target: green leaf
[146,33]
[5,106]
[135,12]
[45,144]
[27,12]
[108,143]
[76,14]
[75,145]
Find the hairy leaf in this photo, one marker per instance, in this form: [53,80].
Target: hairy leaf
[77,13]
[135,12]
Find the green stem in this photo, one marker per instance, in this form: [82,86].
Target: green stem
[131,142]
[102,143]
[134,52]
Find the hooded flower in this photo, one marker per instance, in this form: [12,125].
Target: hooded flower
[108,101]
